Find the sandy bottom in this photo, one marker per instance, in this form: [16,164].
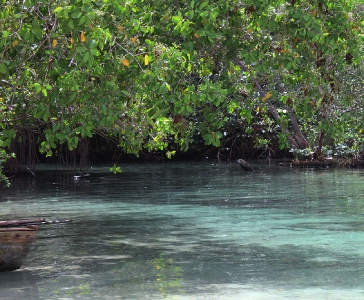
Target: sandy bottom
[231,292]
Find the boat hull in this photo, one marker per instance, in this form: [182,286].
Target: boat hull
[15,244]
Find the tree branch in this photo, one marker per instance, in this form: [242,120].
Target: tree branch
[297,140]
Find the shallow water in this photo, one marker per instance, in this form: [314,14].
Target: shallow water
[198,230]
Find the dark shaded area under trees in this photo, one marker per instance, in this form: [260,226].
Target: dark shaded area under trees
[90,81]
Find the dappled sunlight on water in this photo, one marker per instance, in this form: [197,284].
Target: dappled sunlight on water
[191,231]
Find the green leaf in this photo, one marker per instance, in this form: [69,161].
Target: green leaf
[95,52]
[58,10]
[150,42]
[46,116]
[81,49]
[176,19]
[204,14]
[92,44]
[38,33]
[82,20]
[115,169]
[101,44]
[65,13]
[90,61]
[76,15]
[37,87]
[110,83]
[8,133]
[202,5]
[71,24]
[3,69]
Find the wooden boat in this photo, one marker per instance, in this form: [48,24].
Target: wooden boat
[16,238]
[15,243]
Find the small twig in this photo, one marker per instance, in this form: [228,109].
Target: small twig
[31,171]
[127,51]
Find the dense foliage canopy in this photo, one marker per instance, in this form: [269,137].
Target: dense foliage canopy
[158,75]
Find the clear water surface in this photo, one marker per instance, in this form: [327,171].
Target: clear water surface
[197,230]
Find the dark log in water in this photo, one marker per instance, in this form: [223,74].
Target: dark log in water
[245,165]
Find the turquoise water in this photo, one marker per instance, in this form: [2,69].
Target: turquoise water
[198,230]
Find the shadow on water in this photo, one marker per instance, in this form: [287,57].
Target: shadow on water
[158,256]
[208,260]
[18,285]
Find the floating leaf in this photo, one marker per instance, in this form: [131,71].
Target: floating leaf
[54,43]
[146,59]
[125,62]
[82,37]
[115,169]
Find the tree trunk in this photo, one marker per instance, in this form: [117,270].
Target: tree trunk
[320,144]
[296,140]
[298,136]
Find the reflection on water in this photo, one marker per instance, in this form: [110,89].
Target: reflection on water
[192,231]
